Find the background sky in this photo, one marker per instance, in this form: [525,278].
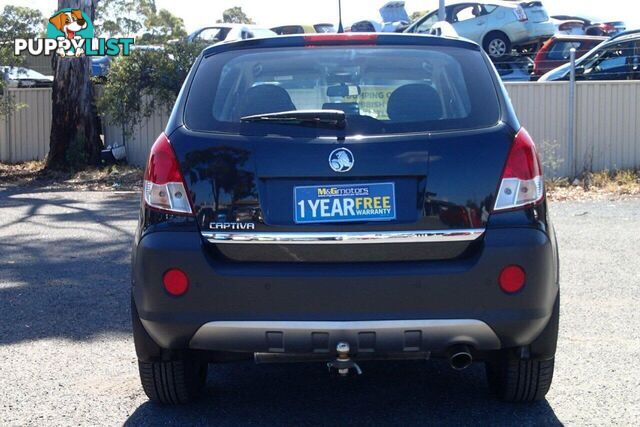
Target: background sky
[199,13]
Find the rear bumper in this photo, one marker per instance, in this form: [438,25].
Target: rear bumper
[378,307]
[390,336]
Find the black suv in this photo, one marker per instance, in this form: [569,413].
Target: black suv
[615,59]
[344,197]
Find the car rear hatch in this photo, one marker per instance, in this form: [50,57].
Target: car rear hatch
[440,190]
[535,11]
[412,175]
[394,11]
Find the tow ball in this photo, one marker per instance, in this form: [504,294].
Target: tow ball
[343,364]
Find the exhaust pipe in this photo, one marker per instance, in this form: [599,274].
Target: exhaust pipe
[460,357]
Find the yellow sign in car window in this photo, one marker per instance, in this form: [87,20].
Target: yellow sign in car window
[373,101]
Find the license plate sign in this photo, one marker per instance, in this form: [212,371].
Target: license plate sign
[345,203]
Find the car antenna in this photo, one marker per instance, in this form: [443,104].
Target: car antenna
[340,27]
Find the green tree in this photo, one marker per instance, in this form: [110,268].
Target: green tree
[20,22]
[144,82]
[236,15]
[122,18]
[418,14]
[161,27]
[125,18]
[16,22]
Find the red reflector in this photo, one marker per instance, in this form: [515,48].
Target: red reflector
[175,282]
[341,38]
[512,279]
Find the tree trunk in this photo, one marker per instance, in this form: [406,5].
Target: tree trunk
[75,141]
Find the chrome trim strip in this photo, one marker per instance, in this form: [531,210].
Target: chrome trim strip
[354,237]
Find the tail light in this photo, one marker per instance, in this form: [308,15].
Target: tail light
[522,184]
[521,15]
[164,187]
[340,39]
[607,28]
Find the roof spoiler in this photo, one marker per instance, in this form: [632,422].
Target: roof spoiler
[334,39]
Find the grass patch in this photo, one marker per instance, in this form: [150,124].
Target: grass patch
[596,185]
[33,174]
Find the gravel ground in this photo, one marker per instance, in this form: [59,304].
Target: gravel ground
[66,356]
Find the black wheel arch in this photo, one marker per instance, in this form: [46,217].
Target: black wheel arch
[147,349]
[544,347]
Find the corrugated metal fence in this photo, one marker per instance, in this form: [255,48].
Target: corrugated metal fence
[607,116]
[24,134]
[607,124]
[542,109]
[144,135]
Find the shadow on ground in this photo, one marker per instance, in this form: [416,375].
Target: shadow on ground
[64,264]
[398,394]
[64,272]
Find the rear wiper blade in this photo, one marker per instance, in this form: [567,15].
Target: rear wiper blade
[320,118]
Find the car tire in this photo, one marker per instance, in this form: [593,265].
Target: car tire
[173,382]
[516,379]
[520,380]
[497,45]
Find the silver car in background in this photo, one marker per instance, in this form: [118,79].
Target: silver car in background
[393,18]
[498,26]
[223,32]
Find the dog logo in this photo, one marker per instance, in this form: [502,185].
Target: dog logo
[341,160]
[72,28]
[69,22]
[70,33]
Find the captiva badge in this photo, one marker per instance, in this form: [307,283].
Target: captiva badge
[341,160]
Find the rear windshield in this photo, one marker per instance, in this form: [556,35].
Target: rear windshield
[324,28]
[561,50]
[382,90]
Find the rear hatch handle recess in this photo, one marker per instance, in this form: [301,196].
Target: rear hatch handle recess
[315,118]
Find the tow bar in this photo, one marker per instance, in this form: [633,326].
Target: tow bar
[343,364]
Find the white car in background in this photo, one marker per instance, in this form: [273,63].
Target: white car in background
[24,77]
[497,26]
[587,25]
[285,30]
[229,32]
[393,16]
